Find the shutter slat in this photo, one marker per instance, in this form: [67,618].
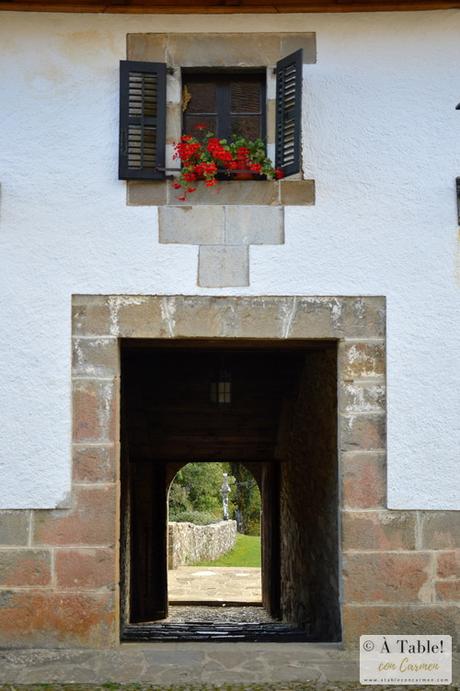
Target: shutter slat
[289,113]
[142,120]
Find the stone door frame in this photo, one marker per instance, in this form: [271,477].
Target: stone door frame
[356,323]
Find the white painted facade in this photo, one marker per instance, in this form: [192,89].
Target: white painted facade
[382,141]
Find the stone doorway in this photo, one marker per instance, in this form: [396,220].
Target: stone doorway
[278,416]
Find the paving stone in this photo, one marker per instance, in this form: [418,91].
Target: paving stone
[223,266]
[254,225]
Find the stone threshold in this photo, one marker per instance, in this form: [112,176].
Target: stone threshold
[201,664]
[227,192]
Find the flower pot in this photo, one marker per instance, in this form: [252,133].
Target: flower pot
[247,175]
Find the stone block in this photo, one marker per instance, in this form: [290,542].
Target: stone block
[229,192]
[449,564]
[440,529]
[139,315]
[216,50]
[92,521]
[385,577]
[448,591]
[146,47]
[85,568]
[314,317]
[378,530]
[364,480]
[223,266]
[362,398]
[364,432]
[95,357]
[297,192]
[46,619]
[94,410]
[191,225]
[293,42]
[359,620]
[90,316]
[173,123]
[363,360]
[14,527]
[254,225]
[256,317]
[93,463]
[271,121]
[148,193]
[24,567]
[365,317]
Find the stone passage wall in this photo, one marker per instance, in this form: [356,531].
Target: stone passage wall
[309,503]
[189,543]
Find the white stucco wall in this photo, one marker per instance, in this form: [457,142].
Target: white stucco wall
[382,140]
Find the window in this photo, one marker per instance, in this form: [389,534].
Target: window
[229,102]
[226,103]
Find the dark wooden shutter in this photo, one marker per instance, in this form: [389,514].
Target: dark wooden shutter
[142,120]
[289,113]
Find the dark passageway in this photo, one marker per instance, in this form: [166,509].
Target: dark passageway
[273,409]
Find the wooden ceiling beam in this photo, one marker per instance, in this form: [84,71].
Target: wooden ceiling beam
[225,6]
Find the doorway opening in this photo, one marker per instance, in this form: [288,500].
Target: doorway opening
[264,413]
[214,548]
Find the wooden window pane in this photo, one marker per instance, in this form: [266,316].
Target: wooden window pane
[202,97]
[246,126]
[245,97]
[191,121]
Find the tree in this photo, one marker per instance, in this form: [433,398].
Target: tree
[196,487]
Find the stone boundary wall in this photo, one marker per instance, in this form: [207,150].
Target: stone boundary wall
[189,543]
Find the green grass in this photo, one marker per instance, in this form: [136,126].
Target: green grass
[245,553]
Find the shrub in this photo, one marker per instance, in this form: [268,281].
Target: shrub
[197,517]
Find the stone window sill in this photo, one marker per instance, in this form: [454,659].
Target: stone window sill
[228,193]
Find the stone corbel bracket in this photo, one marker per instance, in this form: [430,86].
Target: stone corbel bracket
[224,222]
